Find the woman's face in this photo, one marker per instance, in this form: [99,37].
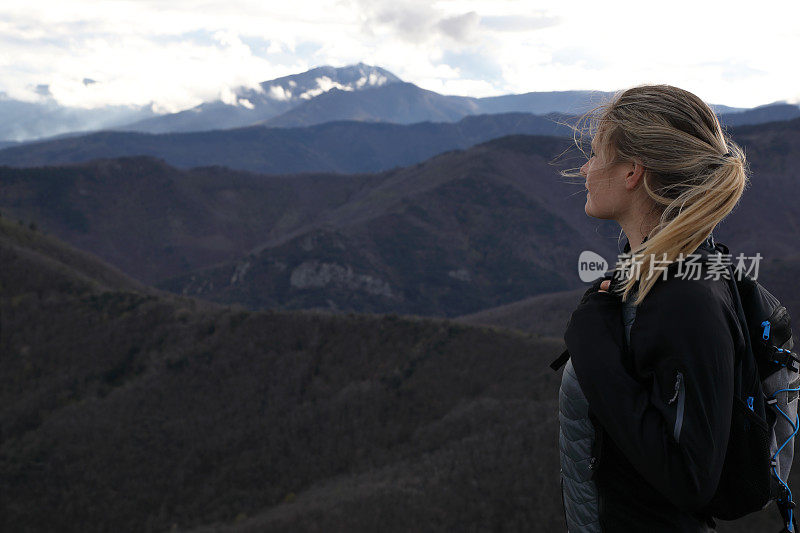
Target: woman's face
[605,186]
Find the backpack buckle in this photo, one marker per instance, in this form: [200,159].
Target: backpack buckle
[783,357]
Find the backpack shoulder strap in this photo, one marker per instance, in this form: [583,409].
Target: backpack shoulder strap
[560,361]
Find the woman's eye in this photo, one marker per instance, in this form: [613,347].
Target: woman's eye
[591,156]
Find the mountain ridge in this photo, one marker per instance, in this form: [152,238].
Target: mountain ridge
[337,146]
[463,231]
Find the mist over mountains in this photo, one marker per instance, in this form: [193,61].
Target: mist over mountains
[25,121]
[358,92]
[248,106]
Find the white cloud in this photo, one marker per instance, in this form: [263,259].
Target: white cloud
[324,84]
[476,88]
[179,53]
[227,96]
[279,93]
[373,80]
[462,28]
[503,23]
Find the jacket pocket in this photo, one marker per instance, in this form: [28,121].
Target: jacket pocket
[679,401]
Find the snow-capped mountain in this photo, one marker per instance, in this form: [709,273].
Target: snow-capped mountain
[245,106]
[305,86]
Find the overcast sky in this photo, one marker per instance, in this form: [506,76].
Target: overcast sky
[181,52]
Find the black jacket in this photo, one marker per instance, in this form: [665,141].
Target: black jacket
[662,408]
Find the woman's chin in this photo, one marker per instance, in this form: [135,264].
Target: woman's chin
[590,210]
[588,206]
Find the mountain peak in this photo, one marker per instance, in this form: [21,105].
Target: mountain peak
[318,80]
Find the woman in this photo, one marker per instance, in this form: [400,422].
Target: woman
[644,429]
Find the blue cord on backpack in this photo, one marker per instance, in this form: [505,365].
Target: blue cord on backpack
[796,426]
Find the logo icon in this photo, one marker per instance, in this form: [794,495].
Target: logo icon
[591,266]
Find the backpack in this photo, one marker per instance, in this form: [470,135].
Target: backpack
[764,419]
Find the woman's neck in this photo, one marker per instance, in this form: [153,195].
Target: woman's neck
[638,226]
[635,239]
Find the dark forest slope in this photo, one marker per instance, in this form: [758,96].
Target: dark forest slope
[126,411]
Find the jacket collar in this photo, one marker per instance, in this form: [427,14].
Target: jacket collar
[709,244]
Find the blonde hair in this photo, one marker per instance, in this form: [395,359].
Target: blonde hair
[694,174]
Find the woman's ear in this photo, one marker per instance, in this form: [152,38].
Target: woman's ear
[635,174]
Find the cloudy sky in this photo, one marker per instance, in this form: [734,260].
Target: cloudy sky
[178,53]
